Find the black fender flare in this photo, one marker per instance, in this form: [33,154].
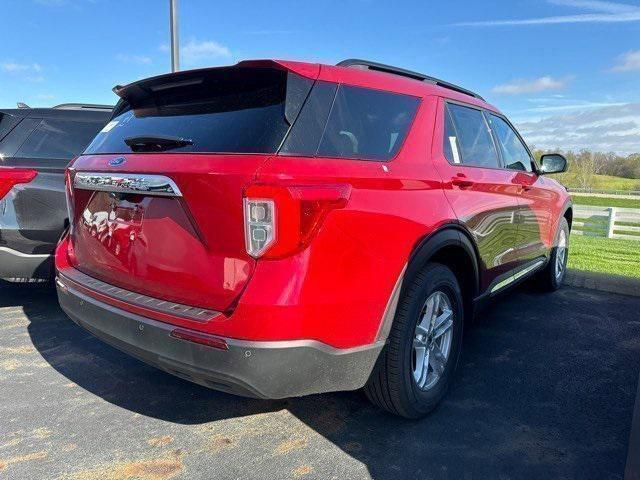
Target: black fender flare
[425,249]
[568,205]
[448,235]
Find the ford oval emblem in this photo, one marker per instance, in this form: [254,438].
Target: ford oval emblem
[114,162]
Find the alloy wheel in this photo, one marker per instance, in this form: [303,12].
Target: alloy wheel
[432,340]
[561,254]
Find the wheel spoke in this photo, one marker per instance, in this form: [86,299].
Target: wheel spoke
[427,314]
[422,365]
[422,328]
[443,323]
[434,312]
[437,360]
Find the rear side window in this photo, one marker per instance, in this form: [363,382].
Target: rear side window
[468,132]
[305,135]
[7,122]
[228,110]
[514,153]
[351,122]
[367,124]
[58,139]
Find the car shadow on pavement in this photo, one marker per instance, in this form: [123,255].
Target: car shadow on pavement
[545,387]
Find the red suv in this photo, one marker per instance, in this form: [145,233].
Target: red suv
[276,229]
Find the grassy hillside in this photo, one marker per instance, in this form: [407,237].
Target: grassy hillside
[601,182]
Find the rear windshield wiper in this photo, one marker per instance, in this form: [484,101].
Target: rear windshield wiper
[156,143]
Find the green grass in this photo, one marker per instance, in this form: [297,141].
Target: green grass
[601,182]
[606,201]
[606,255]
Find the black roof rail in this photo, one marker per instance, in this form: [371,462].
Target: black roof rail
[82,106]
[380,67]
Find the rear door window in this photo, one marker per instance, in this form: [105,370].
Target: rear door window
[468,132]
[58,139]
[514,154]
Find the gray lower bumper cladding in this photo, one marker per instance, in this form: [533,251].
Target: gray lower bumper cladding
[254,369]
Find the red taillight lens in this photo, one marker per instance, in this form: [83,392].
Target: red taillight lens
[282,220]
[12,176]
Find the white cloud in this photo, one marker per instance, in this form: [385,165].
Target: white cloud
[535,85]
[27,71]
[15,68]
[614,128]
[195,51]
[139,59]
[606,12]
[628,62]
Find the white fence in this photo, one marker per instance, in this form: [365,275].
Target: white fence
[610,222]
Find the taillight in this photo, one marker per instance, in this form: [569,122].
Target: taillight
[68,182]
[259,225]
[282,220]
[12,176]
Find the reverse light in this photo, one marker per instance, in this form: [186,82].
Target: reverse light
[259,225]
[12,176]
[282,220]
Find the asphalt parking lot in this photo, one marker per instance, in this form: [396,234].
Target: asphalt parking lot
[545,389]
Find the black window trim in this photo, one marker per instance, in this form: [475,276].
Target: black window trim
[485,112]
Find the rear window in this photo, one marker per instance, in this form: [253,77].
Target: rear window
[58,139]
[231,110]
[352,122]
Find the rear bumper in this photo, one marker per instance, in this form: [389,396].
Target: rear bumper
[255,369]
[18,265]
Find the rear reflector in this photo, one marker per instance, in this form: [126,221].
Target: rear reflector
[201,338]
[12,176]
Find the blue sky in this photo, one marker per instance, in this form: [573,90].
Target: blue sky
[553,66]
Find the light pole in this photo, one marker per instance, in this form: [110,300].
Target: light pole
[175,46]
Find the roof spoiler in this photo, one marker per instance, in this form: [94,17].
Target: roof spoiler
[380,67]
[83,106]
[184,78]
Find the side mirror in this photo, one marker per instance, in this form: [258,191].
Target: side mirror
[553,163]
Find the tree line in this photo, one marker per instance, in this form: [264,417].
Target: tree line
[584,164]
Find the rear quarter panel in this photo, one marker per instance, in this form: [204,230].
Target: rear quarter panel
[336,290]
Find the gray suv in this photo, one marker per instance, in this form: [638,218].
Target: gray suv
[36,144]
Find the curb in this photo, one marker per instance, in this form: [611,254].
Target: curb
[603,282]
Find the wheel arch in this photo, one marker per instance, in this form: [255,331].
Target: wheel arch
[567,213]
[450,245]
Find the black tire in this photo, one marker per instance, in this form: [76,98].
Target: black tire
[391,385]
[549,280]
